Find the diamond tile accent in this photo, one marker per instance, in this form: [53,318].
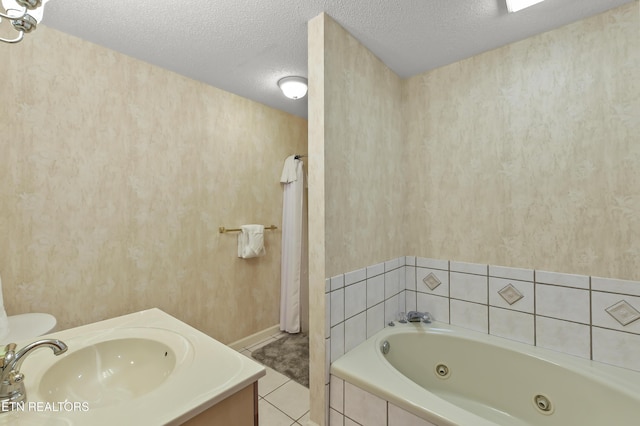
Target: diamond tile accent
[431,281]
[510,294]
[623,312]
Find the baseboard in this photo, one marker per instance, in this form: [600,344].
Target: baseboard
[255,338]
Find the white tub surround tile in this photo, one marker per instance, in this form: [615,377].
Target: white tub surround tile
[410,260]
[511,273]
[337,341]
[337,282]
[355,299]
[375,290]
[327,285]
[402,278]
[373,270]
[566,280]
[392,283]
[425,262]
[432,281]
[563,303]
[336,394]
[349,422]
[471,288]
[437,306]
[326,402]
[611,285]
[375,319]
[400,417]
[392,307]
[392,264]
[563,336]
[468,268]
[355,331]
[327,315]
[469,315]
[411,302]
[335,418]
[502,291]
[355,276]
[337,306]
[364,407]
[410,278]
[619,312]
[616,348]
[327,361]
[512,325]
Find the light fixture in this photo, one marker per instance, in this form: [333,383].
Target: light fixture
[293,87]
[24,15]
[516,5]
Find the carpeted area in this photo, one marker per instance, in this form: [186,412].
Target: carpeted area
[288,355]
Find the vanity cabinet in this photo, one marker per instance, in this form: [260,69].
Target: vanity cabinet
[239,409]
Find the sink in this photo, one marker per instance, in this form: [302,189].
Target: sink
[112,371]
[144,368]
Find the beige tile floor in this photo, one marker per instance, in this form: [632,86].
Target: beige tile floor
[282,402]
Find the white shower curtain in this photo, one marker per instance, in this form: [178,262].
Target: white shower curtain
[292,224]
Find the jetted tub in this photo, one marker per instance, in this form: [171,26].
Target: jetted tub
[452,376]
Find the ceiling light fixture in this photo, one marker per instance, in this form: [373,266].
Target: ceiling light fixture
[24,15]
[516,5]
[293,87]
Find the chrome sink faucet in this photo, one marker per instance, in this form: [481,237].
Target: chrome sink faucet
[12,388]
[415,316]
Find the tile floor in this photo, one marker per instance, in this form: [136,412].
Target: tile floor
[282,402]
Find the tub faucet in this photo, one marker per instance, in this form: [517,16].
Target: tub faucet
[12,388]
[415,316]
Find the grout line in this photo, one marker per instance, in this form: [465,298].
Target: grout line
[449,289]
[590,320]
[488,304]
[535,323]
[277,387]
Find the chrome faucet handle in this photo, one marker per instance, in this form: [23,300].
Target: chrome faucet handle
[416,316]
[12,389]
[9,355]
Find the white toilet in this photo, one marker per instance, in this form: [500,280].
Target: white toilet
[20,327]
[29,326]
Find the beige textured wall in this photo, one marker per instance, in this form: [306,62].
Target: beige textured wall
[364,169]
[529,155]
[356,172]
[114,178]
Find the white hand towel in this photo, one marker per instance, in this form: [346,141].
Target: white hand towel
[4,321]
[290,170]
[251,241]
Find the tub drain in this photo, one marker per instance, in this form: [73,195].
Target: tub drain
[442,371]
[543,404]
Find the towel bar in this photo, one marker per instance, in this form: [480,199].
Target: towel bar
[222,229]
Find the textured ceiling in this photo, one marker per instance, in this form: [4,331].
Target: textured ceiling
[246,46]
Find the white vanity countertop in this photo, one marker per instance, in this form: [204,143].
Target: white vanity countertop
[206,373]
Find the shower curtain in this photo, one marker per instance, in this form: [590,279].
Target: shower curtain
[292,224]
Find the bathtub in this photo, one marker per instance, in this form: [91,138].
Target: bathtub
[452,376]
